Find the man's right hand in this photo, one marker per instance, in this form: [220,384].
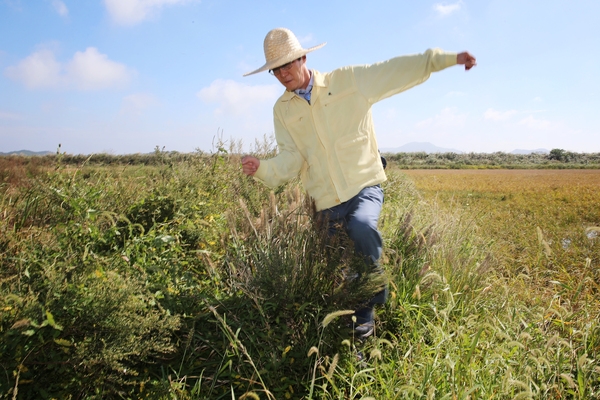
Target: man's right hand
[250,165]
[466,59]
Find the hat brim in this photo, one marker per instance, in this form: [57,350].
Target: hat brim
[285,59]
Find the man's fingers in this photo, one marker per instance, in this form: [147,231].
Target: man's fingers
[470,62]
[467,60]
[249,165]
[248,161]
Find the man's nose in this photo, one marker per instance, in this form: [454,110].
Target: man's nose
[283,72]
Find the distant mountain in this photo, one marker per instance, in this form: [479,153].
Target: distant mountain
[536,151]
[26,153]
[416,147]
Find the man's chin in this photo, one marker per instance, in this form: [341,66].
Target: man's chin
[290,86]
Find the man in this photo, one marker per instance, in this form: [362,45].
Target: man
[325,132]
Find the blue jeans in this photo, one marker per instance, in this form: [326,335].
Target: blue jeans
[359,217]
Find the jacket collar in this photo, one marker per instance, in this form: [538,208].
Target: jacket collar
[319,79]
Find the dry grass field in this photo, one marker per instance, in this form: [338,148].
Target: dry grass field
[544,224]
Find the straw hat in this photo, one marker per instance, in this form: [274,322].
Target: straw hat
[281,47]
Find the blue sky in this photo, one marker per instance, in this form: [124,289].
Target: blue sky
[125,76]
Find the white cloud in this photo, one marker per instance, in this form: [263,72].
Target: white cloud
[447,118]
[447,9]
[241,111]
[87,70]
[536,123]
[131,12]
[236,99]
[60,8]
[496,115]
[92,70]
[136,103]
[39,70]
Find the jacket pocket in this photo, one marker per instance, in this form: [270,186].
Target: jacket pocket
[331,95]
[354,150]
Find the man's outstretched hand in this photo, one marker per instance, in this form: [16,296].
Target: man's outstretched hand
[250,165]
[466,59]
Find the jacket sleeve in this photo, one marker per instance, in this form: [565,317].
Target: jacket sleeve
[286,164]
[387,78]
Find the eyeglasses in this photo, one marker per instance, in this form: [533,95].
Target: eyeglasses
[284,67]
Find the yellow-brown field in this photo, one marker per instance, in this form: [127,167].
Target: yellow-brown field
[544,223]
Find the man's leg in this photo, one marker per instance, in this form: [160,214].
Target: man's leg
[359,217]
[361,226]
[361,223]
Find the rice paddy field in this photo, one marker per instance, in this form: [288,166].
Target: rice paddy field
[183,279]
[523,211]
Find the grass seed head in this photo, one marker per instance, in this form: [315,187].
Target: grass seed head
[313,350]
[331,316]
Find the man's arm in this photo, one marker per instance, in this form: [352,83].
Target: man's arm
[387,78]
[279,169]
[466,59]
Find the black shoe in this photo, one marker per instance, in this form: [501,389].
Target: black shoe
[365,330]
[360,357]
[364,322]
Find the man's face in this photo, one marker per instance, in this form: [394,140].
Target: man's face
[294,77]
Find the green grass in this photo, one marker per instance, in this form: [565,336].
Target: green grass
[187,280]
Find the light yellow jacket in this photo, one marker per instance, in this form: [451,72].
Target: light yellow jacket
[331,141]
